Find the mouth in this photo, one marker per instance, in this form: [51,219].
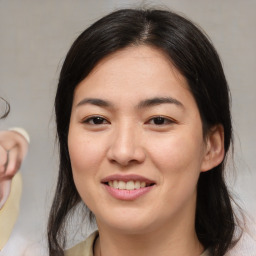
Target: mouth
[129,185]
[128,182]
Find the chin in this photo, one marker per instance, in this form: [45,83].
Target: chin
[127,224]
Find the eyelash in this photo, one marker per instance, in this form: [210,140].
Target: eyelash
[163,121]
[157,120]
[92,120]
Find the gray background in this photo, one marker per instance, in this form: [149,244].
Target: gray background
[35,36]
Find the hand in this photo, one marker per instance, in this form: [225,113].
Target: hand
[13,149]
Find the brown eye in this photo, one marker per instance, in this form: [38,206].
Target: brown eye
[159,120]
[96,120]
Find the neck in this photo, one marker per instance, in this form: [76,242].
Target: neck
[163,236]
[159,242]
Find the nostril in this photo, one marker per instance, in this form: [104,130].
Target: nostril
[125,152]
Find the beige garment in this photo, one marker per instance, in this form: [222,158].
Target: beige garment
[85,248]
[13,242]
[10,211]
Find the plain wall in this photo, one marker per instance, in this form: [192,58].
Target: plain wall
[35,37]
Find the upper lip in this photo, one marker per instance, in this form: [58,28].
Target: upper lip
[127,178]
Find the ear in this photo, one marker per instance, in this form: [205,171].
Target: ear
[214,149]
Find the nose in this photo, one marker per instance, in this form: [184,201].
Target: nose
[126,147]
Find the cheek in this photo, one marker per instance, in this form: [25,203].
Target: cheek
[84,153]
[178,160]
[84,157]
[178,157]
[177,151]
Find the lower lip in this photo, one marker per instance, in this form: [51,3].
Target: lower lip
[127,195]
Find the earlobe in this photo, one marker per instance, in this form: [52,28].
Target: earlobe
[214,152]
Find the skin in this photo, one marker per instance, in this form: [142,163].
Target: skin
[127,138]
[13,149]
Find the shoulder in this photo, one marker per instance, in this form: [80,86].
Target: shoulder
[246,246]
[20,244]
[84,248]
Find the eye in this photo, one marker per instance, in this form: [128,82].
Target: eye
[95,120]
[160,120]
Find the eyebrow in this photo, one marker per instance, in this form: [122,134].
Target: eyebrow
[159,100]
[143,104]
[95,101]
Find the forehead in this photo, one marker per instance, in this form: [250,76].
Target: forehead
[133,72]
[139,61]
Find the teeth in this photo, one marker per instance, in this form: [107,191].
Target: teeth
[115,184]
[137,185]
[130,185]
[143,184]
[121,185]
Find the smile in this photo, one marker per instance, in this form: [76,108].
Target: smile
[128,187]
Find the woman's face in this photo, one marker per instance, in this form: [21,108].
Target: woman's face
[135,143]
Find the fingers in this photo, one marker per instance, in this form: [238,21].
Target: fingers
[5,188]
[13,148]
[3,160]
[12,139]
[11,163]
[14,162]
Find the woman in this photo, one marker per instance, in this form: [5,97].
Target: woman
[144,127]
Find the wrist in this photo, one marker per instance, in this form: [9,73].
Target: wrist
[22,132]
